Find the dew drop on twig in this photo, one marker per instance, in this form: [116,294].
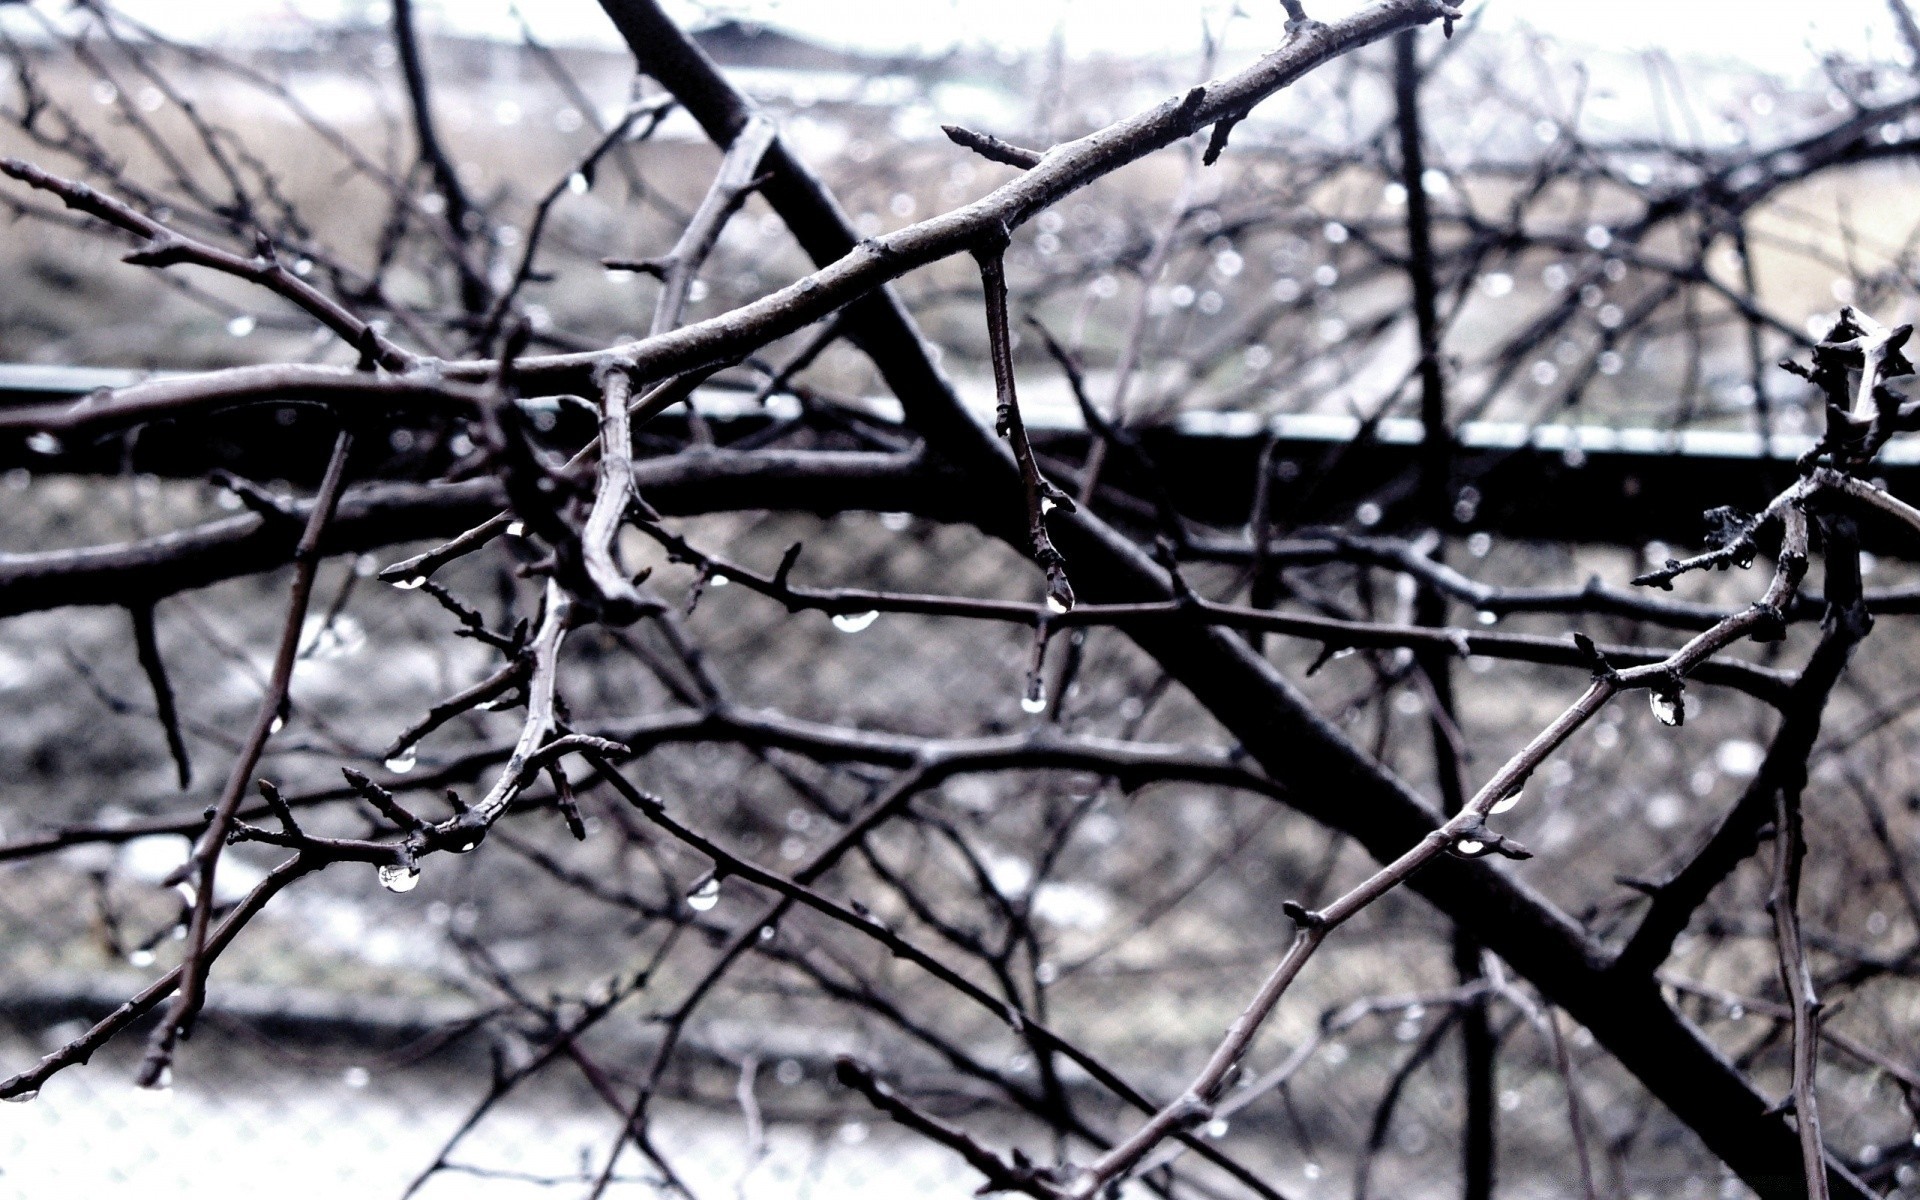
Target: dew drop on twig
[399,877]
[1668,707]
[410,582]
[854,622]
[404,761]
[704,897]
[1506,802]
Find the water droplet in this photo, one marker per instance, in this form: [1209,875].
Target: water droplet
[516,529]
[410,582]
[1668,706]
[1506,802]
[1047,506]
[577,184]
[279,723]
[399,877]
[43,443]
[405,760]
[466,847]
[22,1097]
[1216,1128]
[1469,846]
[1035,701]
[766,933]
[1055,604]
[718,581]
[704,897]
[140,958]
[1736,1013]
[188,894]
[854,622]
[241,326]
[1486,617]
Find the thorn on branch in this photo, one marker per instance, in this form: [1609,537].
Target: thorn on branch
[278,803]
[1040,493]
[992,148]
[784,571]
[1475,840]
[1602,669]
[1302,916]
[568,804]
[1222,130]
[271,508]
[147,648]
[383,800]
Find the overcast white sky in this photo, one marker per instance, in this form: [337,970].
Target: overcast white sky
[1775,34]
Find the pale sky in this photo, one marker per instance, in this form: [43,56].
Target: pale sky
[1773,34]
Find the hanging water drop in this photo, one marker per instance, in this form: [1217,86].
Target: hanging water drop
[241,326]
[1035,701]
[22,1097]
[704,897]
[1047,506]
[1668,707]
[516,529]
[1506,802]
[1487,618]
[1054,604]
[410,582]
[404,760]
[399,877]
[140,958]
[279,723]
[43,443]
[1469,847]
[766,933]
[1216,1128]
[718,580]
[854,622]
[466,847]
[577,183]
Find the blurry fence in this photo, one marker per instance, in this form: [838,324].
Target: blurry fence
[1578,483]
